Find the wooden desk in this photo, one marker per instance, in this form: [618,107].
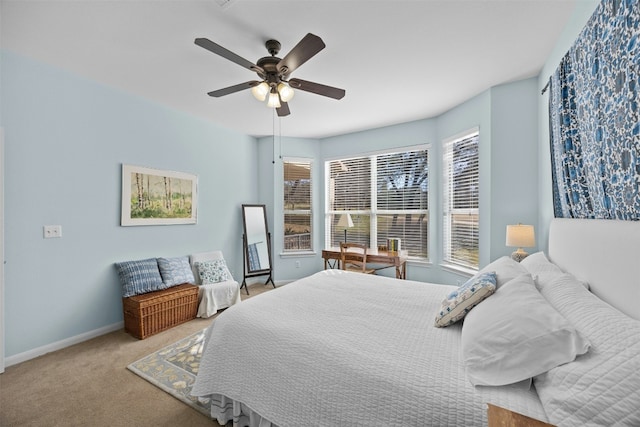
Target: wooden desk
[374,256]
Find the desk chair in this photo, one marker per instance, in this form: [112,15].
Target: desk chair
[353,257]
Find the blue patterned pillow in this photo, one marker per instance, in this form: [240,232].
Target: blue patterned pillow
[139,277]
[459,302]
[175,271]
[212,271]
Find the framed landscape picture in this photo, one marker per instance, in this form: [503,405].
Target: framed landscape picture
[158,197]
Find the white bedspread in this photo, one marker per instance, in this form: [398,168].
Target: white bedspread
[348,349]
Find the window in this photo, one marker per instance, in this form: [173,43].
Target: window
[460,196]
[297,205]
[385,195]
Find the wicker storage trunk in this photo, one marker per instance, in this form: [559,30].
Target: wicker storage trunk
[154,312]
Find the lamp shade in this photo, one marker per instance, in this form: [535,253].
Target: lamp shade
[286,93]
[520,236]
[260,91]
[345,221]
[274,100]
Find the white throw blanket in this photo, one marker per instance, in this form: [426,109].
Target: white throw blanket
[340,348]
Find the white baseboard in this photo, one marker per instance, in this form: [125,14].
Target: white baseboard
[59,345]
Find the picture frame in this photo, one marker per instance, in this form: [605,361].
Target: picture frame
[158,197]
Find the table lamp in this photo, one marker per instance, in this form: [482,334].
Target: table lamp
[520,236]
[345,222]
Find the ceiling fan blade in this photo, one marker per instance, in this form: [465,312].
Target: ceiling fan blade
[317,88]
[227,54]
[283,110]
[306,48]
[232,89]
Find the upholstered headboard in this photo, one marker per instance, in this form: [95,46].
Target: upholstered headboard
[603,253]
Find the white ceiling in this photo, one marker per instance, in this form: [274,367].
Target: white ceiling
[398,60]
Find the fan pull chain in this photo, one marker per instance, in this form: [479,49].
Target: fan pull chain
[280,136]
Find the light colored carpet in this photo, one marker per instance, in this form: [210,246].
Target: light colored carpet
[174,369]
[88,384]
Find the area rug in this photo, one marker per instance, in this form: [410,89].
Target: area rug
[174,369]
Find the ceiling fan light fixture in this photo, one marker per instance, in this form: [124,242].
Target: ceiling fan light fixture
[273,72]
[274,100]
[260,91]
[285,91]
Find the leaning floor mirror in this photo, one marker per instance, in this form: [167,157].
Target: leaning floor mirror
[256,244]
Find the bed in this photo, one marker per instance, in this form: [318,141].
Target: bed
[340,348]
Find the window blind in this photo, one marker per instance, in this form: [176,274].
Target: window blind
[461,199]
[297,205]
[386,195]
[349,193]
[351,184]
[402,200]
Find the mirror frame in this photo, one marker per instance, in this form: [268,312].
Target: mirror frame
[267,236]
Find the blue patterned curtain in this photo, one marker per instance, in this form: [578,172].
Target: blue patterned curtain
[594,119]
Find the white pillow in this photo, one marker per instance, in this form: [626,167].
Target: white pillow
[603,386]
[543,270]
[516,334]
[539,263]
[506,268]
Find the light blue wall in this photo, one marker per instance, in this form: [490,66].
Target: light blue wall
[583,11]
[474,113]
[272,153]
[514,169]
[409,134]
[507,118]
[515,166]
[66,139]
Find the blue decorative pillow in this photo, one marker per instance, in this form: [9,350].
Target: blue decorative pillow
[213,271]
[459,302]
[175,271]
[139,277]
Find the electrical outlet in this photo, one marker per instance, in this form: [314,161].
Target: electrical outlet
[297,264]
[52,231]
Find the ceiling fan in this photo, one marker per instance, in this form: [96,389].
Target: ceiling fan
[274,72]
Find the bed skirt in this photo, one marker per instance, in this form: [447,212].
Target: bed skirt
[224,409]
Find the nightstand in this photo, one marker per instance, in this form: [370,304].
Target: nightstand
[501,417]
